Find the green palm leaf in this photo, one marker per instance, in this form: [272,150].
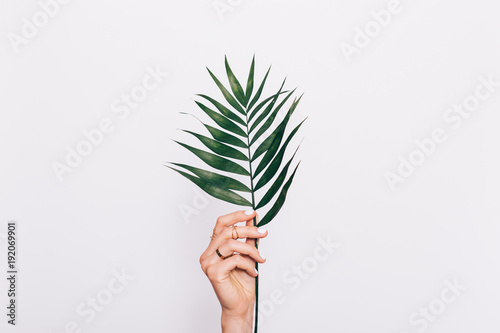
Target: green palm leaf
[241,138]
[225,144]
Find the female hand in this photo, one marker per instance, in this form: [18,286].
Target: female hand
[233,274]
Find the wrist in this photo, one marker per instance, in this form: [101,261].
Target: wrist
[241,323]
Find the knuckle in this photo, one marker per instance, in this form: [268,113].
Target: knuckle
[204,267]
[210,272]
[219,221]
[239,259]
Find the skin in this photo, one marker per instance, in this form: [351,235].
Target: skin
[233,278]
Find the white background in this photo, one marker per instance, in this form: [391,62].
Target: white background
[121,209]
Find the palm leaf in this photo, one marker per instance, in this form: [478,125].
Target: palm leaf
[225,145]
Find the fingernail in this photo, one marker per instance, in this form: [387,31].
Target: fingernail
[262,256]
[256,271]
[261,231]
[249,212]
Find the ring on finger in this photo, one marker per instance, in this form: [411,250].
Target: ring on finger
[213,234]
[233,233]
[221,256]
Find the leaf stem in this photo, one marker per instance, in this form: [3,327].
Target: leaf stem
[256,284]
[256,316]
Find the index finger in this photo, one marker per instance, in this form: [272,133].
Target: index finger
[250,224]
[233,218]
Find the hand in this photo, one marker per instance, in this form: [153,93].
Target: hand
[233,278]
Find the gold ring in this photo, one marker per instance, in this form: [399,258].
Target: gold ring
[213,234]
[220,255]
[236,230]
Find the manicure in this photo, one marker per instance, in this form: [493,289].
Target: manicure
[249,212]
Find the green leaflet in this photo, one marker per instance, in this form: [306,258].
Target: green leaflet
[261,105]
[266,110]
[276,135]
[220,180]
[216,161]
[279,202]
[227,95]
[269,120]
[275,164]
[235,85]
[222,121]
[220,135]
[225,137]
[225,111]
[259,91]
[249,90]
[219,148]
[216,191]
[276,185]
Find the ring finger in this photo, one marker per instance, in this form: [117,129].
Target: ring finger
[232,232]
[229,248]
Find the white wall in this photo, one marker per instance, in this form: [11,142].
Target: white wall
[120,208]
